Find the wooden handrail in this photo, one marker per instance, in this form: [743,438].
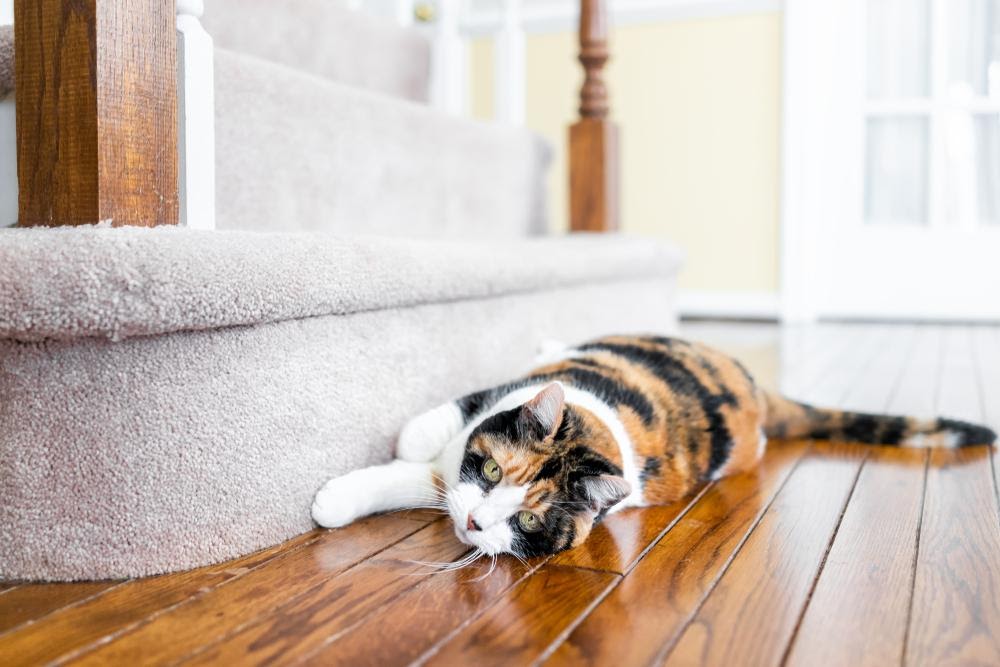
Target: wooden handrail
[96,87]
[593,140]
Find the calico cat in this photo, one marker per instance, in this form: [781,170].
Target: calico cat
[530,467]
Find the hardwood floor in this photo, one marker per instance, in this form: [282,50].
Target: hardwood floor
[825,555]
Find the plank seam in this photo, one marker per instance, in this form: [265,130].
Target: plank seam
[340,633]
[653,542]
[916,558]
[562,636]
[25,624]
[822,563]
[430,652]
[121,632]
[669,646]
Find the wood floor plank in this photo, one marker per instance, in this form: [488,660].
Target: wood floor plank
[30,602]
[617,543]
[652,603]
[118,609]
[873,389]
[956,597]
[826,344]
[986,343]
[320,614]
[916,393]
[844,371]
[431,612]
[527,621]
[863,592]
[225,609]
[750,615]
[958,387]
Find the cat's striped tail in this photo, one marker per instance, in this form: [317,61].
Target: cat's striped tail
[789,419]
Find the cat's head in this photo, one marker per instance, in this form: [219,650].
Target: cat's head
[532,481]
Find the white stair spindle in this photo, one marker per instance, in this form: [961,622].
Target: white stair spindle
[8,144]
[509,66]
[404,12]
[196,114]
[448,68]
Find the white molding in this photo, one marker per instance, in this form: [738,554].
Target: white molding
[509,66]
[8,163]
[196,117]
[753,305]
[558,15]
[8,141]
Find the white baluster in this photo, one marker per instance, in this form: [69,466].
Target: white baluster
[196,114]
[509,66]
[448,67]
[8,143]
[404,12]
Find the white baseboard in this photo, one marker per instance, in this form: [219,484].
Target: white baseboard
[729,305]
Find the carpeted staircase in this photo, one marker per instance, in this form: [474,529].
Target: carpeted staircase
[171,397]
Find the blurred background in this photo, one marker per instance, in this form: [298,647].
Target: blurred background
[813,159]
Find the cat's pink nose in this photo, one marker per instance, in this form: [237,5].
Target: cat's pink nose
[470,523]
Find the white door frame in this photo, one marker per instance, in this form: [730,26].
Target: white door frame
[823,188]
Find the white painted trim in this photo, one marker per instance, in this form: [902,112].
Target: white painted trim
[8,142]
[449,60]
[509,67]
[196,117]
[8,163]
[726,304]
[557,15]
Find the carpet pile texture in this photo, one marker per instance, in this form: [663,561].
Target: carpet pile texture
[170,398]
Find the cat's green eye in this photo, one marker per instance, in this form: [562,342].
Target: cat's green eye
[491,471]
[529,522]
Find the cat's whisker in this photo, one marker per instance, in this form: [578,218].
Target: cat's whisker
[493,566]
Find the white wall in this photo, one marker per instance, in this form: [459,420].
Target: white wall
[699,105]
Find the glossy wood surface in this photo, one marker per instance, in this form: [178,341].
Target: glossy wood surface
[96,86]
[823,555]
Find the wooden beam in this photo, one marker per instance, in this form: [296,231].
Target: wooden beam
[593,140]
[96,112]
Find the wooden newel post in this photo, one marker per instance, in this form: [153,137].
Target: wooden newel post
[593,140]
[96,86]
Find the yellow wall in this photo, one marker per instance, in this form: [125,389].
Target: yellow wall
[698,103]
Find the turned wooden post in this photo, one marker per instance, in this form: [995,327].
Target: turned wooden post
[593,140]
[96,87]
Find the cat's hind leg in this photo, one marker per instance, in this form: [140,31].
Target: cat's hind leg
[396,485]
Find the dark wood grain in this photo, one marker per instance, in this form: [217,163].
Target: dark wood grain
[525,624]
[956,595]
[96,112]
[617,543]
[33,601]
[735,579]
[864,590]
[324,612]
[652,604]
[593,140]
[123,607]
[226,609]
[750,615]
[435,610]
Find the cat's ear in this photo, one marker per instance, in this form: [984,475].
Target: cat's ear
[543,414]
[603,491]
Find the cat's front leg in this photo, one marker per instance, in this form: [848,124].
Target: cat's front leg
[396,485]
[424,437]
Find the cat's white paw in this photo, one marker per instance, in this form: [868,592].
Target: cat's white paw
[338,503]
[424,436]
